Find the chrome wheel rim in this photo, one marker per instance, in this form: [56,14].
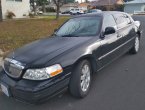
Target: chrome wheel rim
[85,78]
[137,44]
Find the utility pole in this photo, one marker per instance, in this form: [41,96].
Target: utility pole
[1,18]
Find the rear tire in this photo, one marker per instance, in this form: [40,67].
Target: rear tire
[78,13]
[81,79]
[135,48]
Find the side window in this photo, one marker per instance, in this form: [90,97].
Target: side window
[108,21]
[122,20]
[128,18]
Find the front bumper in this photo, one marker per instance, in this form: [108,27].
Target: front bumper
[34,91]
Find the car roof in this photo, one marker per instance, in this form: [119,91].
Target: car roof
[113,12]
[99,14]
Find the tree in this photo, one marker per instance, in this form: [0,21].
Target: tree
[58,4]
[1,18]
[33,4]
[43,4]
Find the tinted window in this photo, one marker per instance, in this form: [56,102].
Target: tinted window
[83,26]
[128,18]
[121,20]
[108,21]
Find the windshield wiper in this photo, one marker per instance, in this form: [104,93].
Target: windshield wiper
[69,35]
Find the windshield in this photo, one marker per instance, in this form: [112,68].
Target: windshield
[83,26]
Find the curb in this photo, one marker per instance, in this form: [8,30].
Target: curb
[1,61]
[1,58]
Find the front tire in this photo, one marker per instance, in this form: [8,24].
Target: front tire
[135,48]
[81,79]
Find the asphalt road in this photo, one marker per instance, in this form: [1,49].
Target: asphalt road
[120,86]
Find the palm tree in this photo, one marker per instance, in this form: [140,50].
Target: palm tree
[1,18]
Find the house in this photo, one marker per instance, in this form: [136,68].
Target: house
[136,6]
[107,5]
[84,6]
[69,6]
[20,8]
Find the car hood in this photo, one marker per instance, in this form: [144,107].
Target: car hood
[40,52]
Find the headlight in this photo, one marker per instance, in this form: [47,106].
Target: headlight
[44,73]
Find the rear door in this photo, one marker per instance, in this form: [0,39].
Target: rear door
[125,32]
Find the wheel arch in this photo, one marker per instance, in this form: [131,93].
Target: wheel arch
[90,58]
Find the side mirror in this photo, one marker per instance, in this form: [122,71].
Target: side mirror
[109,30]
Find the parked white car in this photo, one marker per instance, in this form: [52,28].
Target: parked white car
[37,12]
[76,11]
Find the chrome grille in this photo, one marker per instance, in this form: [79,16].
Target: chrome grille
[12,69]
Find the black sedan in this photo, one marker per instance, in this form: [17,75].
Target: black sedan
[81,47]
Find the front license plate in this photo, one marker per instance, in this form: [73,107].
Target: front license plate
[5,90]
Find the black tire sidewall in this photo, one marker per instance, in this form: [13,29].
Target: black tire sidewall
[75,83]
[86,92]
[133,50]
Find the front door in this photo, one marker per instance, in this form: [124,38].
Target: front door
[108,43]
